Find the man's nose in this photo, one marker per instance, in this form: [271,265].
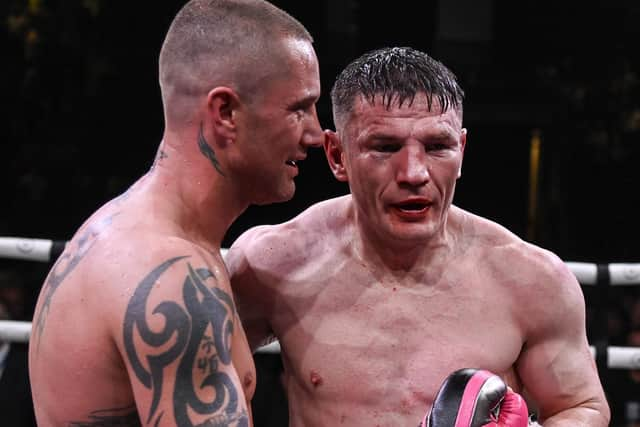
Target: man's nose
[313,135]
[413,166]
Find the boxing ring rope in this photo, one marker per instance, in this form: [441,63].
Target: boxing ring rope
[602,275]
[42,250]
[619,357]
[620,274]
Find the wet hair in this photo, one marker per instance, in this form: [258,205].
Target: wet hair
[234,43]
[395,75]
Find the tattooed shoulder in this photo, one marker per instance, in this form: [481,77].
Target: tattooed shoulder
[196,337]
[75,252]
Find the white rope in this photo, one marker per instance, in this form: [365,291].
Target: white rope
[619,357]
[27,249]
[14,331]
[271,348]
[619,273]
[35,249]
[585,272]
[624,274]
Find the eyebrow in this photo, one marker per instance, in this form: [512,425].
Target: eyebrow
[305,102]
[394,136]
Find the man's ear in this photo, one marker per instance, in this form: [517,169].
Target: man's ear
[222,105]
[335,155]
[463,144]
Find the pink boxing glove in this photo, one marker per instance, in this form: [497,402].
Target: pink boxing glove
[476,398]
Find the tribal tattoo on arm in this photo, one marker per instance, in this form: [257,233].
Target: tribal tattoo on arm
[201,330]
[64,265]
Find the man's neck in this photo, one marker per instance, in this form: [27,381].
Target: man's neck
[400,257]
[199,199]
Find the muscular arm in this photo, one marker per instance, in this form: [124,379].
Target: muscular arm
[556,365]
[251,294]
[176,342]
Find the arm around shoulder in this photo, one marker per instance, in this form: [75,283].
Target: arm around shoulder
[247,268]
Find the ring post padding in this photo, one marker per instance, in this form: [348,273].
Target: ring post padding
[57,248]
[27,249]
[14,331]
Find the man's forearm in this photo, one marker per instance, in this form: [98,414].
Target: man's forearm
[589,417]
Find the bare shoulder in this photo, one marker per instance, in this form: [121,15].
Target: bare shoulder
[123,261]
[531,267]
[283,247]
[136,257]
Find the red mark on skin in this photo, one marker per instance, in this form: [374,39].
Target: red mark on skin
[394,289]
[315,378]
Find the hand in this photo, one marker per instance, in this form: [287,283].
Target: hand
[475,398]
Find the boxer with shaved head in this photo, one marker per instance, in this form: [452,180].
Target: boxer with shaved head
[136,323]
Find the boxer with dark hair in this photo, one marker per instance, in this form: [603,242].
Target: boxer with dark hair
[136,324]
[377,296]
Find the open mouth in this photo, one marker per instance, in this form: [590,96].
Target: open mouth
[412,210]
[291,163]
[412,206]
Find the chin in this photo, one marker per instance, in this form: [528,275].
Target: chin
[267,197]
[412,233]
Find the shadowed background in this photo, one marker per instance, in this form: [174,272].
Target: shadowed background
[83,113]
[83,118]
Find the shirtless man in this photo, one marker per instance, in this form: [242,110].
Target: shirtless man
[135,324]
[377,296]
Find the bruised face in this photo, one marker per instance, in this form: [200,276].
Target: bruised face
[401,164]
[281,125]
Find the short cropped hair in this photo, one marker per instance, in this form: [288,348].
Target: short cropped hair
[396,75]
[222,42]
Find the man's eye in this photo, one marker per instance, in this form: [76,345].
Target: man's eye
[437,147]
[387,148]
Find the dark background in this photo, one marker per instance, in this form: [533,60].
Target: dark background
[83,119]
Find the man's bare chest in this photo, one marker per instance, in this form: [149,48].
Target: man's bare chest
[374,340]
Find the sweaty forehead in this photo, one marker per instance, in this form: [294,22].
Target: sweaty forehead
[417,116]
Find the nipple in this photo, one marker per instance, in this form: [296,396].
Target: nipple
[315,378]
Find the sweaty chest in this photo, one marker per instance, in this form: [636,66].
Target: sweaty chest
[391,347]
